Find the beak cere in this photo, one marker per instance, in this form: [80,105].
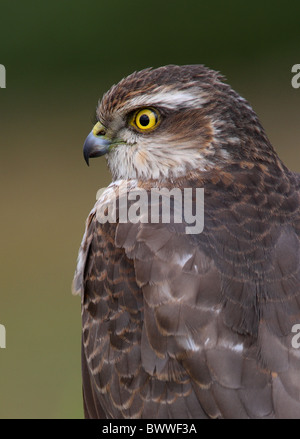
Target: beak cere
[95,144]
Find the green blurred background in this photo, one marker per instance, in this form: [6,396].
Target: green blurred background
[60,57]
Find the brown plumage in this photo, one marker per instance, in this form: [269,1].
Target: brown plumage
[178,325]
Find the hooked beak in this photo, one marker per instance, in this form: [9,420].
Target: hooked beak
[95,144]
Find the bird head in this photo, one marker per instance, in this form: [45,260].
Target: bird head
[163,123]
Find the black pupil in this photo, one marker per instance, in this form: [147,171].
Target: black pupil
[144,120]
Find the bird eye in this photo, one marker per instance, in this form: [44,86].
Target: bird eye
[145,119]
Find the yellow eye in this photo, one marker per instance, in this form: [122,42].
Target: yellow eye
[145,119]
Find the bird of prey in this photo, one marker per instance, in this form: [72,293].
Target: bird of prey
[190,325]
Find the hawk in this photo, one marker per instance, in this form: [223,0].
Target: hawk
[182,325]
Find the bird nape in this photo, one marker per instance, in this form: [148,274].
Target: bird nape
[189,325]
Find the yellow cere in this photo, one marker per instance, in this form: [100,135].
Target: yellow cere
[98,128]
[146,119]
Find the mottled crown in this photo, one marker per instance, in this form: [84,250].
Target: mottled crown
[166,78]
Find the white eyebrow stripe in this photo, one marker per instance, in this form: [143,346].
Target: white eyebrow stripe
[171,100]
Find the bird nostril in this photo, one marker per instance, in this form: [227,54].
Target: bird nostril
[101,133]
[99,129]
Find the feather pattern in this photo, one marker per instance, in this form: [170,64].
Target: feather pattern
[196,326]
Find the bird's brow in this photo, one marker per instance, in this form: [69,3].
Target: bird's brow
[171,100]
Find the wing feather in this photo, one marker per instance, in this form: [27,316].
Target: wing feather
[179,326]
